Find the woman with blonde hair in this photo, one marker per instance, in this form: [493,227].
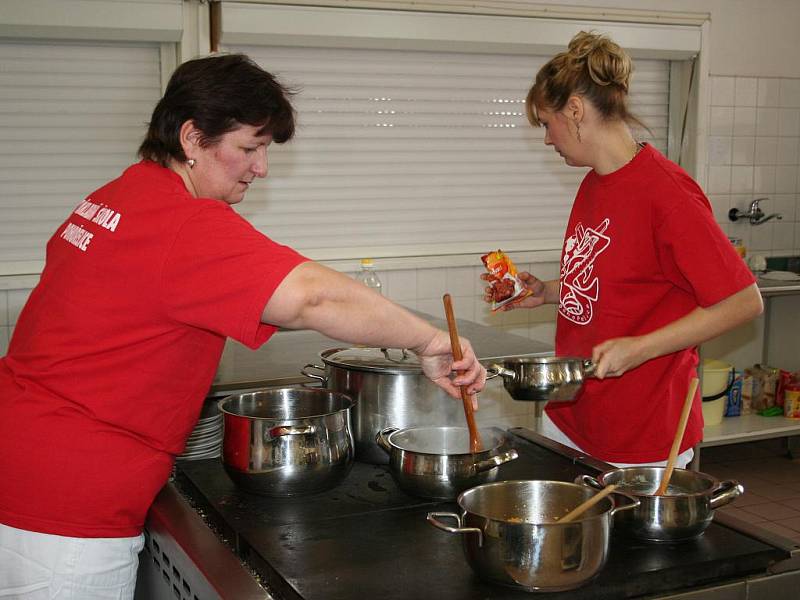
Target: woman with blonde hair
[646,273]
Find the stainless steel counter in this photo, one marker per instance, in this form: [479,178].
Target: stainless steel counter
[778,288]
[278,362]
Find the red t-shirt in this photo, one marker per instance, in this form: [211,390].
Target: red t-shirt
[641,250]
[116,349]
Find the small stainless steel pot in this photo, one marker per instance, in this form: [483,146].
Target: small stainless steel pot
[511,536]
[287,441]
[389,389]
[436,462]
[684,512]
[542,378]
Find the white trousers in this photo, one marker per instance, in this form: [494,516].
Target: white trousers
[550,430]
[39,566]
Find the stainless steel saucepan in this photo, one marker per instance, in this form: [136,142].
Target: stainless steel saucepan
[683,513]
[543,378]
[511,534]
[436,462]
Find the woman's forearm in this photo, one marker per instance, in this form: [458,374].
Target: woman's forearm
[616,356]
[703,324]
[315,297]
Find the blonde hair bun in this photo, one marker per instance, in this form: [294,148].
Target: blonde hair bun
[605,61]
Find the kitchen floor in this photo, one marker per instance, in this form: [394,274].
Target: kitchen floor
[771,480]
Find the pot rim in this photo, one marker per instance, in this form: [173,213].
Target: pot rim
[515,483]
[346,397]
[409,369]
[544,360]
[715,483]
[502,441]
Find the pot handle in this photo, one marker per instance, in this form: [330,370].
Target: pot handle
[433,519]
[283,430]
[726,493]
[588,367]
[496,461]
[632,502]
[589,481]
[382,438]
[322,378]
[493,371]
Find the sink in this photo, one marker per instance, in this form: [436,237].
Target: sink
[784,263]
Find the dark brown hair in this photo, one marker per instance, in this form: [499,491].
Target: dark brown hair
[594,67]
[219,93]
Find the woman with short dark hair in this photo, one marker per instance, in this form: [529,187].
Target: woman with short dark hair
[116,348]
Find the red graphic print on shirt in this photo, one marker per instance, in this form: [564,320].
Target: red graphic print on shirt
[579,288]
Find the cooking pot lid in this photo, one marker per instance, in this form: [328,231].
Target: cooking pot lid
[380,360]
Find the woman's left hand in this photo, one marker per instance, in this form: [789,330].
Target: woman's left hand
[614,357]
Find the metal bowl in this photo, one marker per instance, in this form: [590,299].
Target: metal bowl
[287,441]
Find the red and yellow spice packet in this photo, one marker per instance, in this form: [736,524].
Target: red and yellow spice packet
[506,287]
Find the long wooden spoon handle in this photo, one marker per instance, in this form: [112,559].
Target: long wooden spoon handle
[474,437]
[583,507]
[676,443]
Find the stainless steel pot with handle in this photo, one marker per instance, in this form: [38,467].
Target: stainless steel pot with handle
[542,378]
[436,462]
[683,513]
[389,389]
[287,441]
[511,536]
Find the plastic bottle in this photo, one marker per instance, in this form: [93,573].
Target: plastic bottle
[369,276]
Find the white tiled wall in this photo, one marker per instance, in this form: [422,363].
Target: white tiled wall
[754,152]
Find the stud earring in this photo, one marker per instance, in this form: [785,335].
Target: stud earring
[190,162]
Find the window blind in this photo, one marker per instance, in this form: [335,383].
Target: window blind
[72,115]
[409,153]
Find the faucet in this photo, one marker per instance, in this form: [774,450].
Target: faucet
[755,214]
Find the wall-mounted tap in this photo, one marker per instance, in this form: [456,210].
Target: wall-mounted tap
[755,214]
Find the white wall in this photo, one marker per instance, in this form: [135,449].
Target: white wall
[755,38]
[754,139]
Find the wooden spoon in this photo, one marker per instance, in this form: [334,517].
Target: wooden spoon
[676,443]
[475,444]
[587,504]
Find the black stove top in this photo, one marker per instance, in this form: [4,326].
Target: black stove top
[368,539]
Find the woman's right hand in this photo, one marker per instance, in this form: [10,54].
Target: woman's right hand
[538,288]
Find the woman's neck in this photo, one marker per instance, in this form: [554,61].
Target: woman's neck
[615,149]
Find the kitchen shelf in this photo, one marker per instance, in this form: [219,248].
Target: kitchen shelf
[748,428]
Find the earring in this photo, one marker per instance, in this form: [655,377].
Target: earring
[190,162]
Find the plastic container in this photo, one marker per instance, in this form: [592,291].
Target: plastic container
[369,275]
[717,377]
[791,401]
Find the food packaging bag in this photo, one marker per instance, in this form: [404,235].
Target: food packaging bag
[506,286]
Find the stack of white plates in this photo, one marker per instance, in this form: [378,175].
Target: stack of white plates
[205,441]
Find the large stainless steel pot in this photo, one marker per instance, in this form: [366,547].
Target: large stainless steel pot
[287,441]
[436,462]
[389,389]
[511,536]
[542,378]
[684,512]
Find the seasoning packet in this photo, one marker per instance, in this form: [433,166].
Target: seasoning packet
[506,286]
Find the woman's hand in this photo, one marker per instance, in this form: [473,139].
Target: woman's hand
[438,364]
[541,291]
[614,357]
